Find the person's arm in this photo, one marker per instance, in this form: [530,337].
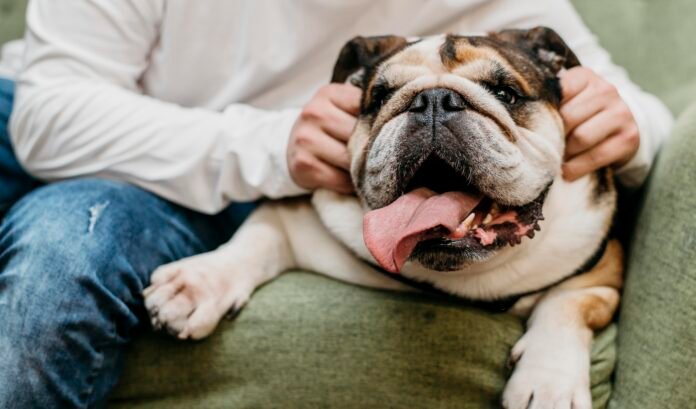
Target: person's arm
[649,115]
[80,112]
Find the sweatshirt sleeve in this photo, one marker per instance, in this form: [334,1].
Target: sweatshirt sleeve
[80,111]
[653,118]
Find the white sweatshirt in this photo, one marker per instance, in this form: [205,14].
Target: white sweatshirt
[194,100]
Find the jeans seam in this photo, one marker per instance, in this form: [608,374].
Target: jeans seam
[97,366]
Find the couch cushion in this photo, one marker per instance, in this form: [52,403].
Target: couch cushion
[11,19]
[657,337]
[305,341]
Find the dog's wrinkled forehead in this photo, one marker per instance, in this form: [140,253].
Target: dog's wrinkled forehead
[524,60]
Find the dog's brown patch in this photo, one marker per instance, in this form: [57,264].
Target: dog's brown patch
[597,311]
[607,273]
[457,51]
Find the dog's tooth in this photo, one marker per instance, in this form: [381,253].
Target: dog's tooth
[466,224]
[463,227]
[488,219]
[495,209]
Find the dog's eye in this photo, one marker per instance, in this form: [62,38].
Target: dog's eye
[506,95]
[380,95]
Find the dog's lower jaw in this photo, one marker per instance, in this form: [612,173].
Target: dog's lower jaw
[571,218]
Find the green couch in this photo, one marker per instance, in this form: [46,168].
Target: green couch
[309,342]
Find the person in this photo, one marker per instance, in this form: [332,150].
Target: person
[153,120]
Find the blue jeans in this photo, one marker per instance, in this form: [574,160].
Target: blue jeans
[74,258]
[14,182]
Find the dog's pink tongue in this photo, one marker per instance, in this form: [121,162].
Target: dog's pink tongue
[392,232]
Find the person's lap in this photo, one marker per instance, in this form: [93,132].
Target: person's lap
[74,258]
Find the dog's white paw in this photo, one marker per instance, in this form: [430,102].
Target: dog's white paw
[551,372]
[189,297]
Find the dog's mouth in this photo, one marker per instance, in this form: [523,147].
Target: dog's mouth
[441,211]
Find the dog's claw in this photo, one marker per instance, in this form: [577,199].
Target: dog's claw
[156,324]
[510,362]
[171,331]
[233,313]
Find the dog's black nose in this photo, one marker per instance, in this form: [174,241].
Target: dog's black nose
[437,100]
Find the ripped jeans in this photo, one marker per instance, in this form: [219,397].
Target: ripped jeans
[74,258]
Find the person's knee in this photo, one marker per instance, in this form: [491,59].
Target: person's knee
[71,272]
[76,243]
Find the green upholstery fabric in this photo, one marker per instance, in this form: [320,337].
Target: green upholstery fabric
[658,319]
[305,341]
[11,19]
[653,39]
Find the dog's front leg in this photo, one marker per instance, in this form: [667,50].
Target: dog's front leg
[190,296]
[552,359]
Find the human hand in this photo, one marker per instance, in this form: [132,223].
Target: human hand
[600,129]
[317,152]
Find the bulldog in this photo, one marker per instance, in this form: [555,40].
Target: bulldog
[456,161]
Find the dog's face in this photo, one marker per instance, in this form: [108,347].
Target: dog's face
[463,127]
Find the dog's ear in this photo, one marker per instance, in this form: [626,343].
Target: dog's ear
[363,53]
[545,44]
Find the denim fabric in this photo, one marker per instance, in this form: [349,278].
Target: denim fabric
[14,181]
[74,258]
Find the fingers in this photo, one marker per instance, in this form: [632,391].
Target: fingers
[312,140]
[333,178]
[584,95]
[573,82]
[317,151]
[613,150]
[592,131]
[346,97]
[580,109]
[332,120]
[334,153]
[600,128]
[338,124]
[312,173]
